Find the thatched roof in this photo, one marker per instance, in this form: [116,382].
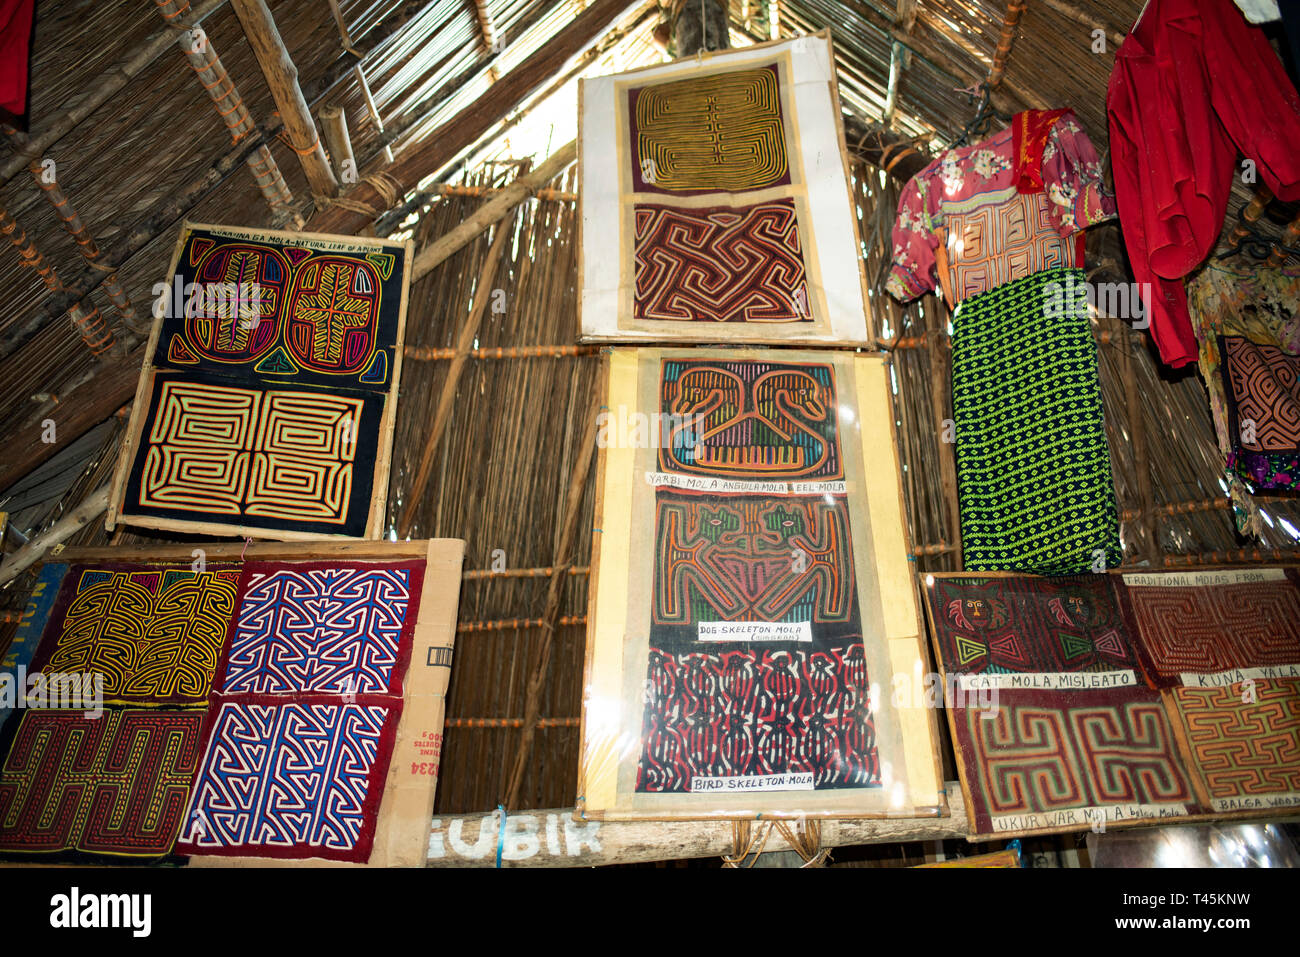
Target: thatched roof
[502,472]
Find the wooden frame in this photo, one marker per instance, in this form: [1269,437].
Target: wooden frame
[886,588]
[606,316]
[1177,729]
[402,827]
[118,509]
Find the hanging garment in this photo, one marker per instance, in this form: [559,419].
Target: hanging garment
[1193,83]
[1247,319]
[962,221]
[1034,483]
[15,42]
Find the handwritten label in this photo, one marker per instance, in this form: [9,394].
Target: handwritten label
[1257,802]
[697,483]
[801,781]
[754,631]
[1079,681]
[1086,816]
[1238,576]
[1219,679]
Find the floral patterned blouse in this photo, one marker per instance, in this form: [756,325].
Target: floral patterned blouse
[963,209]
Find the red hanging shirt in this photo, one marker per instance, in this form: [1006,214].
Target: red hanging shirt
[1193,84]
[15,42]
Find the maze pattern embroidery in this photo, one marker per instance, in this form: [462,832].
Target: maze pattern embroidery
[1040,752]
[1009,625]
[720,264]
[267,458]
[114,785]
[1244,740]
[715,133]
[303,716]
[1212,628]
[1262,388]
[753,420]
[293,308]
[154,634]
[323,628]
[291,779]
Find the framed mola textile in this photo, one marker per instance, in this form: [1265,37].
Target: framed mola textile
[1113,700]
[267,398]
[752,599]
[279,704]
[715,201]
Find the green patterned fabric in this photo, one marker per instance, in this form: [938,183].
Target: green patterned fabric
[1033,469]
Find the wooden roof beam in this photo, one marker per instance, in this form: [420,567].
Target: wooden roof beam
[282,77]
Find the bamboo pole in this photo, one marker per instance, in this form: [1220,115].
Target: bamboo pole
[94,331]
[282,78]
[198,50]
[334,127]
[28,254]
[360,76]
[487,29]
[554,592]
[479,574]
[159,218]
[1290,237]
[464,342]
[519,624]
[166,210]
[386,223]
[552,838]
[47,181]
[1015,9]
[431,353]
[103,89]
[1069,10]
[493,210]
[940,387]
[1232,555]
[460,189]
[1138,441]
[90,508]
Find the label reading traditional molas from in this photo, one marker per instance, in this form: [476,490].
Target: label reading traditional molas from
[754,631]
[1086,816]
[793,781]
[1201,579]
